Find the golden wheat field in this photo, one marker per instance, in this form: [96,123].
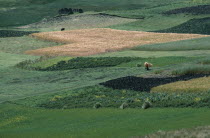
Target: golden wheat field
[85,42]
[194,85]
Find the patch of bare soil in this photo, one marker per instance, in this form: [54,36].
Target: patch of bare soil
[145,84]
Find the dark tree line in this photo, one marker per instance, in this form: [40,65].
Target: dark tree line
[69,11]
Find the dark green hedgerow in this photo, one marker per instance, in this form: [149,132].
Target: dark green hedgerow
[90,62]
[107,97]
[78,63]
[13,33]
[93,62]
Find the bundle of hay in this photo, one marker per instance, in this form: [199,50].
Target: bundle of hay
[147,65]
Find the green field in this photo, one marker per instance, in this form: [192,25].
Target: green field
[19,45]
[18,121]
[14,10]
[18,83]
[54,96]
[186,45]
[78,21]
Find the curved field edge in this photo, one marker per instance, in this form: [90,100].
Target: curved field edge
[41,9]
[184,45]
[87,42]
[148,54]
[17,121]
[194,85]
[20,44]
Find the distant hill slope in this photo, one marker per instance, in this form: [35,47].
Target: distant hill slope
[195,26]
[200,9]
[176,16]
[22,12]
[81,21]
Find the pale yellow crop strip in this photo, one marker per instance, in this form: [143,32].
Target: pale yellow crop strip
[85,42]
[194,85]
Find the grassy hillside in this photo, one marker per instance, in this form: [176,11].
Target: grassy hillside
[200,9]
[77,21]
[19,45]
[185,45]
[193,132]
[14,11]
[148,54]
[196,26]
[17,83]
[44,91]
[21,122]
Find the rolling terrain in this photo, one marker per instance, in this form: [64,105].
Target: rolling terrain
[95,41]
[90,81]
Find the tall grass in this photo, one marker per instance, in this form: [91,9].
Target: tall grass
[192,70]
[205,61]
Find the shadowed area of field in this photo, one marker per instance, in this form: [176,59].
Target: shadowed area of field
[144,84]
[12,33]
[199,9]
[87,42]
[193,26]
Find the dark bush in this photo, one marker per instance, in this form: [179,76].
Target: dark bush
[13,33]
[97,105]
[66,11]
[146,105]
[81,11]
[124,105]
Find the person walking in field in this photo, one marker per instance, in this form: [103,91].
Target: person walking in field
[147,65]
